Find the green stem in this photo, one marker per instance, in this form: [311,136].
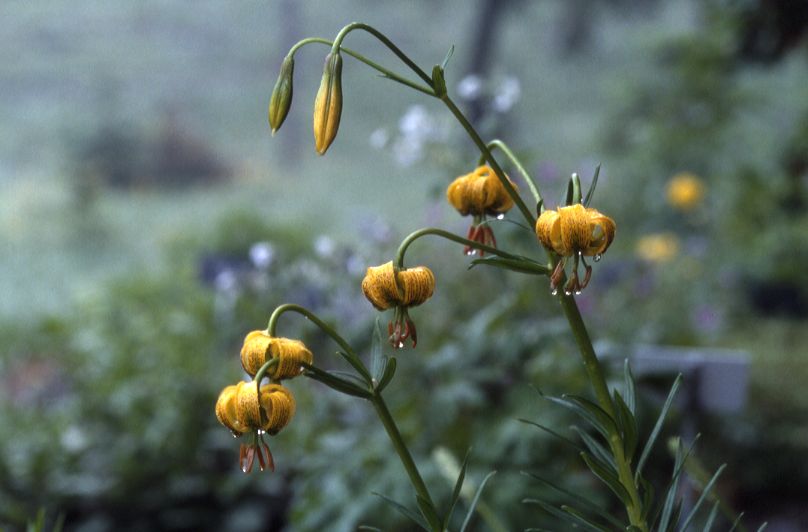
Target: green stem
[352,357]
[387,42]
[489,157]
[601,389]
[496,143]
[412,237]
[385,72]
[401,448]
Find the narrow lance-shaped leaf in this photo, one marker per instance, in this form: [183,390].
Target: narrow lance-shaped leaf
[377,358]
[603,472]
[403,510]
[594,184]
[703,496]
[596,448]
[387,376]
[582,520]
[628,426]
[658,426]
[476,500]
[586,503]
[456,491]
[334,382]
[630,389]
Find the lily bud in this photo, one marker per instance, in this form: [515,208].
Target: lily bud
[281,99]
[328,105]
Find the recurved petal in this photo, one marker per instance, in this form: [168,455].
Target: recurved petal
[278,405]
[248,408]
[602,230]
[417,284]
[379,286]
[574,229]
[548,230]
[226,410]
[255,351]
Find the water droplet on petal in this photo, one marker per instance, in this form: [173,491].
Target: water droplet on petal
[401,345]
[577,292]
[597,257]
[471,252]
[554,291]
[567,293]
[501,216]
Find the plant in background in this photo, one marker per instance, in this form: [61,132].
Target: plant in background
[611,446]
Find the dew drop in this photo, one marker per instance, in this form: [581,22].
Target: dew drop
[501,216]
[554,291]
[597,257]
[401,345]
[577,292]
[567,293]
[471,252]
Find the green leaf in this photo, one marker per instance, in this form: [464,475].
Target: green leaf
[763,527]
[377,358]
[677,513]
[591,191]
[658,427]
[583,521]
[428,511]
[596,416]
[521,265]
[350,377]
[647,497]
[589,505]
[456,491]
[438,81]
[738,522]
[596,448]
[387,376]
[403,510]
[708,525]
[573,190]
[704,494]
[371,528]
[448,56]
[673,485]
[628,426]
[552,433]
[475,500]
[628,382]
[358,366]
[603,472]
[334,382]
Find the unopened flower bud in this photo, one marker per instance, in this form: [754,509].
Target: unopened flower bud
[328,105]
[281,99]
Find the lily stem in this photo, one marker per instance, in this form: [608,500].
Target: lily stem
[401,448]
[601,389]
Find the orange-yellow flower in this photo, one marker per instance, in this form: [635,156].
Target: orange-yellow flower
[480,193]
[259,348]
[685,191]
[575,231]
[385,286]
[244,408]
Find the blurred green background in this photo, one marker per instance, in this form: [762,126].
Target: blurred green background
[148,221]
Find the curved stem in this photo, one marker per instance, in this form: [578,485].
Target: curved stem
[496,143]
[385,72]
[489,157]
[269,364]
[351,355]
[412,237]
[387,42]
[401,448]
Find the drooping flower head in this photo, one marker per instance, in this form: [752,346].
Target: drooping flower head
[480,194]
[259,348]
[245,409]
[575,231]
[386,286]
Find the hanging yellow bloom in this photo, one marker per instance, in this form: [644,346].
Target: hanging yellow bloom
[259,348]
[479,194]
[658,248]
[685,191]
[385,286]
[243,408]
[575,231]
